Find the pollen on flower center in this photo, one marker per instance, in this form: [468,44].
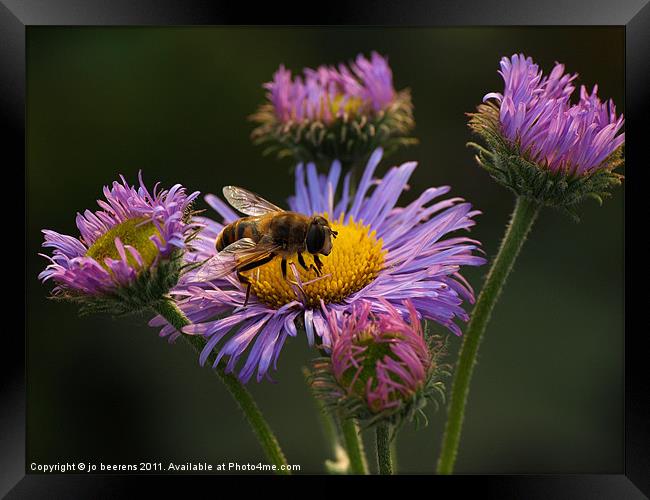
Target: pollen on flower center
[355,261]
[349,106]
[134,232]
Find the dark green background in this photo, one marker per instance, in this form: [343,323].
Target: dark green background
[548,387]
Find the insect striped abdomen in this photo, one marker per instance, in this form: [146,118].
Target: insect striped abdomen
[246,227]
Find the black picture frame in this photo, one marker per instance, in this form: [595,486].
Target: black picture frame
[17,15]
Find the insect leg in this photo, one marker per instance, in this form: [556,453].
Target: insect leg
[243,279]
[283,265]
[248,267]
[257,263]
[301,261]
[319,264]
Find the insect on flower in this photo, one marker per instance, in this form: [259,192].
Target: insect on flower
[267,232]
[382,251]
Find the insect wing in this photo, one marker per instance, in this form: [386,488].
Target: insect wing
[238,246]
[235,256]
[248,203]
[251,256]
[224,262]
[216,267]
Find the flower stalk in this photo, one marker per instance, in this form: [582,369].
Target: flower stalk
[384,461]
[340,464]
[393,453]
[354,446]
[522,219]
[269,443]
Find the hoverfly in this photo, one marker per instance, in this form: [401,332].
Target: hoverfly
[266,233]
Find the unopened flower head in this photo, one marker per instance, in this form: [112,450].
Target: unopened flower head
[129,253]
[382,251]
[543,146]
[329,113]
[381,367]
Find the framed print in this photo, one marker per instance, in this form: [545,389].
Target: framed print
[381,242]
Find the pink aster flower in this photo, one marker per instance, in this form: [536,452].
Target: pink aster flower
[327,93]
[381,365]
[329,113]
[127,253]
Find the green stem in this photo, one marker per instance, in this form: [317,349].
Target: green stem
[168,310]
[393,454]
[383,450]
[339,464]
[521,221]
[354,445]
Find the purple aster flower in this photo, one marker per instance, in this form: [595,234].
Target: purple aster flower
[327,93]
[381,365]
[382,254]
[342,112]
[543,146]
[128,253]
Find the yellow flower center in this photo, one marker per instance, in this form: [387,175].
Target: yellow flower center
[349,106]
[134,232]
[356,258]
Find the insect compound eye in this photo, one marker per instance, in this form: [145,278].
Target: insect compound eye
[315,238]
